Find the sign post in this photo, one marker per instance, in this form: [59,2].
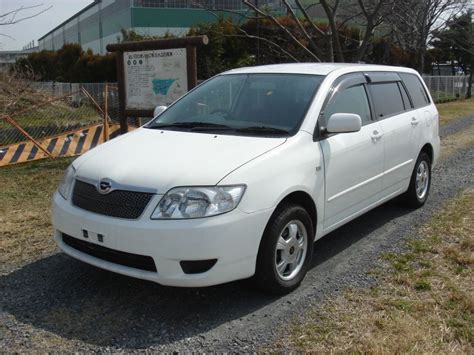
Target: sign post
[153,73]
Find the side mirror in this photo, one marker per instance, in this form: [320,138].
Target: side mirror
[344,123]
[158,110]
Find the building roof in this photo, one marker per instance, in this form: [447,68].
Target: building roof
[70,18]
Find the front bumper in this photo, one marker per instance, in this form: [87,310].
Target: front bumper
[232,238]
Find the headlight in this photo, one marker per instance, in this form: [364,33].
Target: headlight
[66,183]
[197,202]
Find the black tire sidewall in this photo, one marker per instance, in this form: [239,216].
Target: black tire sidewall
[412,196]
[266,274]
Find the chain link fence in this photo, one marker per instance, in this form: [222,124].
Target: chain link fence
[40,120]
[52,117]
[447,88]
[97,92]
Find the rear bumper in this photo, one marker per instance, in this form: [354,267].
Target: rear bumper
[232,238]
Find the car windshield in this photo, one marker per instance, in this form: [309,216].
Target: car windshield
[243,104]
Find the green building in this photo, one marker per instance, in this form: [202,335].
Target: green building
[101,22]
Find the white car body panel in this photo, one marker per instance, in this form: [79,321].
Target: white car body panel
[353,164]
[344,175]
[168,242]
[401,146]
[161,159]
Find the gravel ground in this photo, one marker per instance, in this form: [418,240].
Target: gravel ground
[456,126]
[58,303]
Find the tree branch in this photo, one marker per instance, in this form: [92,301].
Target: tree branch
[308,18]
[301,27]
[283,28]
[248,35]
[13,20]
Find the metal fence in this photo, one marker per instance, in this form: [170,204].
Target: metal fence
[446,88]
[57,120]
[96,91]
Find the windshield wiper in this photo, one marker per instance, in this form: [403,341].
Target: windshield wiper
[206,126]
[191,125]
[263,130]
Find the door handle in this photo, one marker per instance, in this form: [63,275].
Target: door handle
[414,121]
[376,135]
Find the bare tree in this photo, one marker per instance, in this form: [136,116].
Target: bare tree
[18,15]
[15,89]
[367,13]
[414,21]
[242,32]
[267,14]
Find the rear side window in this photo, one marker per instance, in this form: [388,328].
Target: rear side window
[350,100]
[387,99]
[416,90]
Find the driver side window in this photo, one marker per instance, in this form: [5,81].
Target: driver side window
[350,100]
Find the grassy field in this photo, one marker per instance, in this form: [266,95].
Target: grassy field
[451,111]
[58,115]
[25,227]
[55,115]
[425,301]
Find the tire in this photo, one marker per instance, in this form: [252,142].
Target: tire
[291,224]
[416,198]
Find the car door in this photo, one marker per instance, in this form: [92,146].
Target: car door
[400,125]
[353,162]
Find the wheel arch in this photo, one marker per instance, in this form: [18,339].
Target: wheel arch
[428,149]
[305,200]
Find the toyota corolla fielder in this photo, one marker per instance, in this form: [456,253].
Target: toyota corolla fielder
[239,177]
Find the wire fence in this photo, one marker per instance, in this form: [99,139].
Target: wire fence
[41,120]
[95,90]
[447,88]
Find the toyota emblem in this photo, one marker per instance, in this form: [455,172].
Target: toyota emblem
[104,186]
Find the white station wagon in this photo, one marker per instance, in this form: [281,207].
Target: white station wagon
[240,176]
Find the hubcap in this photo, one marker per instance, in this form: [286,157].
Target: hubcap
[291,250]
[422,179]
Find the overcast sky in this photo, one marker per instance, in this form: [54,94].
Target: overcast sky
[36,27]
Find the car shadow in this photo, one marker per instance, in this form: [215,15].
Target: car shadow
[76,301]
[350,233]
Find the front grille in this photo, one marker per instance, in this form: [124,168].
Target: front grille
[136,261]
[118,203]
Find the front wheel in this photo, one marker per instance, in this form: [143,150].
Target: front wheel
[420,182]
[286,250]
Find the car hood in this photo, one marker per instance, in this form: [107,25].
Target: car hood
[162,159]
